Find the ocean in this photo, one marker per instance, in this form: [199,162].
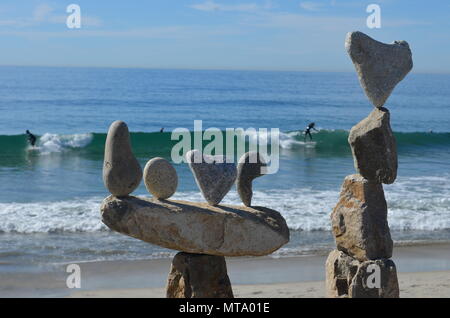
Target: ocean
[50,196]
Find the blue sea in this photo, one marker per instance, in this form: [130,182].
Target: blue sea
[50,196]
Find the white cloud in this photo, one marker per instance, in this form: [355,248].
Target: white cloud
[42,12]
[311,6]
[210,5]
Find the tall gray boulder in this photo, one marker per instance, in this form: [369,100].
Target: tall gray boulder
[374,147]
[359,220]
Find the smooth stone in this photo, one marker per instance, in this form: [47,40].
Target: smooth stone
[389,288]
[195,227]
[122,173]
[374,147]
[248,168]
[359,220]
[380,66]
[160,178]
[198,276]
[213,175]
[347,277]
[339,272]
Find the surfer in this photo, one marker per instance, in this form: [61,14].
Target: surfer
[161,130]
[308,131]
[31,138]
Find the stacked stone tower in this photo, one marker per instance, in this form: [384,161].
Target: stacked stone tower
[361,264]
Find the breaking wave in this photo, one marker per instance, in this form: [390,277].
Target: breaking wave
[412,202]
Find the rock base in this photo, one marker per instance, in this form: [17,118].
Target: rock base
[198,276]
[347,277]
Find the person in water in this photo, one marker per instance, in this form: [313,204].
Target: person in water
[308,131]
[161,130]
[31,138]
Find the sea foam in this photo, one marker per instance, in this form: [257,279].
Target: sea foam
[414,204]
[53,143]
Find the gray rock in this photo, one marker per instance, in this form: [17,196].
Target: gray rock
[380,66]
[374,147]
[198,276]
[347,277]
[121,171]
[213,175]
[340,270]
[224,230]
[160,178]
[359,220]
[249,168]
[375,279]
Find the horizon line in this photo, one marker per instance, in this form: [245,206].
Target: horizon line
[209,69]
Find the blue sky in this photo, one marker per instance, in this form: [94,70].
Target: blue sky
[217,34]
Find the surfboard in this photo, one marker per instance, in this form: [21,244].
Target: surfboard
[310,144]
[33,149]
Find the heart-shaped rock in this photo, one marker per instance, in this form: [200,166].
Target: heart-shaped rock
[380,66]
[213,175]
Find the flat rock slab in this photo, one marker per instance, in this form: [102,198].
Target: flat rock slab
[198,276]
[374,147]
[191,227]
[359,220]
[380,66]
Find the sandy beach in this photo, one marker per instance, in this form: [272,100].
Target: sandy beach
[412,285]
[423,270]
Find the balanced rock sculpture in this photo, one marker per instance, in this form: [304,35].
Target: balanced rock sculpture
[360,267]
[122,173]
[203,233]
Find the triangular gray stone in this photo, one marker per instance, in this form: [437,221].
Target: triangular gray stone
[213,175]
[380,66]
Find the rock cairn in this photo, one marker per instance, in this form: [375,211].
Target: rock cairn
[361,266]
[204,233]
